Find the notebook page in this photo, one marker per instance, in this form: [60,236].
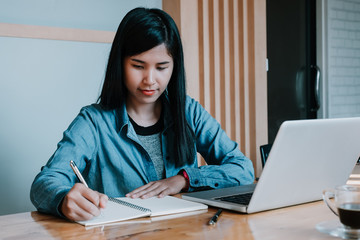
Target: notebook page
[166,205]
[115,212]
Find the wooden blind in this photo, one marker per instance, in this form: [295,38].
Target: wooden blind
[225,59]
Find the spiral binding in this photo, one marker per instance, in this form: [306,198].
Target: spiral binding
[134,206]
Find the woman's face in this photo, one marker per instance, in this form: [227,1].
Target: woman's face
[147,75]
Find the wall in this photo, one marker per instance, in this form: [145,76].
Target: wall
[339,33]
[44,83]
[344,58]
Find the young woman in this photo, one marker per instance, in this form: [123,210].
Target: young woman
[141,139]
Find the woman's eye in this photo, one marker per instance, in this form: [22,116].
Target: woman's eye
[138,66]
[161,68]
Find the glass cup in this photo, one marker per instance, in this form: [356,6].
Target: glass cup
[346,205]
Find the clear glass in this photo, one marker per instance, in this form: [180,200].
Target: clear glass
[346,205]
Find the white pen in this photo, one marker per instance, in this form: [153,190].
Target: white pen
[77,173]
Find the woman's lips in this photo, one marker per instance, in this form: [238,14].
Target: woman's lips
[148,92]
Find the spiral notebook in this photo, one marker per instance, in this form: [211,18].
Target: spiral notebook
[121,209]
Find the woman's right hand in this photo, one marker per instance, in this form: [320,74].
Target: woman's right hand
[82,203]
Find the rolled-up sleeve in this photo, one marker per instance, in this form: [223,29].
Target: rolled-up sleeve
[226,165]
[57,178]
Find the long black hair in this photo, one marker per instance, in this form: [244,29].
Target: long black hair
[140,30]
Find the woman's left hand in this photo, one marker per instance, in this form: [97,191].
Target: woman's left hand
[161,188]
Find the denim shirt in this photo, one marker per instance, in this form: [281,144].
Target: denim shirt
[107,151]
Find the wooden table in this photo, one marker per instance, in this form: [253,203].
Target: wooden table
[297,222]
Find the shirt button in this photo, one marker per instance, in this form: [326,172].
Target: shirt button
[196,181]
[216,184]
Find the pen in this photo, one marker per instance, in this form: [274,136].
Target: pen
[214,219]
[77,173]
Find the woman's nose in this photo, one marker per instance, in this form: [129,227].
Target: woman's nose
[149,78]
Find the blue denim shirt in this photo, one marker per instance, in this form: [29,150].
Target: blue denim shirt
[107,151]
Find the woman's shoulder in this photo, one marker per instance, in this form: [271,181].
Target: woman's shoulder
[96,116]
[191,104]
[190,101]
[97,111]
[93,109]
[194,111]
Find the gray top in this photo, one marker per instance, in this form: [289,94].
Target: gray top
[152,144]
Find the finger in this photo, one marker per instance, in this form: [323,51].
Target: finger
[142,188]
[139,191]
[88,206]
[103,200]
[73,207]
[146,193]
[86,192]
[154,191]
[92,196]
[87,200]
[165,192]
[79,214]
[150,187]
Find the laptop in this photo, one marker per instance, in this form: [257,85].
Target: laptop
[307,157]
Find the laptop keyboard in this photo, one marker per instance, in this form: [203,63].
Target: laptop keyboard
[243,198]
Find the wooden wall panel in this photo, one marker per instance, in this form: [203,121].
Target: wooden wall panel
[230,74]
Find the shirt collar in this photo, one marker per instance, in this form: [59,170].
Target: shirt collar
[122,117]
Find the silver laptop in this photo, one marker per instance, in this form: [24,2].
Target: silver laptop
[307,157]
